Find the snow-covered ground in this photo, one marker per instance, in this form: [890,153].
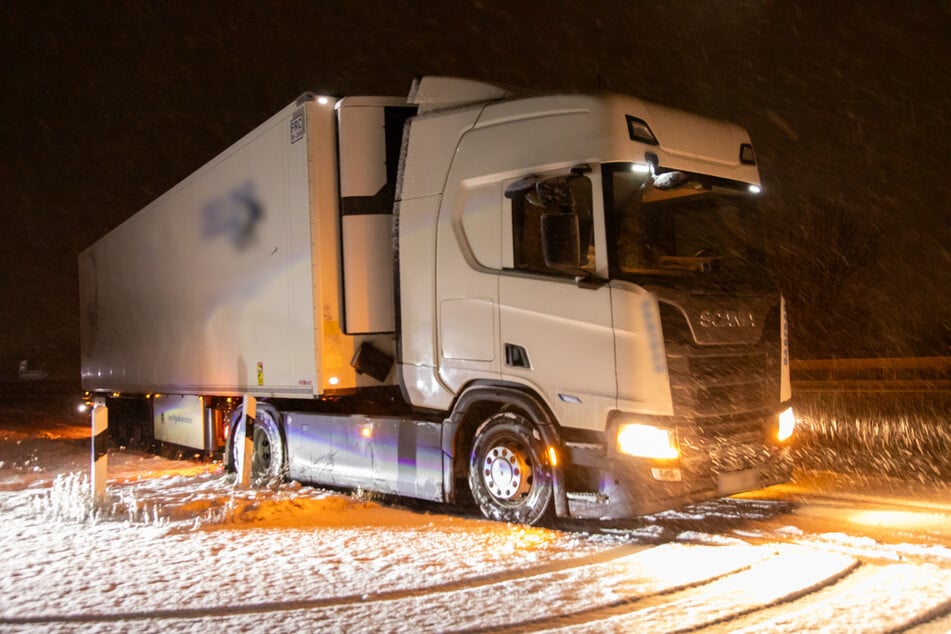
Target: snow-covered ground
[177,547]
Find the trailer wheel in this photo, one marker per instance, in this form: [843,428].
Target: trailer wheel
[267,459]
[509,476]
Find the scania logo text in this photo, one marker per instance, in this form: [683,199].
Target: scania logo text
[727,319]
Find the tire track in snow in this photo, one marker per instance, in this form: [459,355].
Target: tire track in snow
[894,597]
[596,597]
[595,559]
[508,604]
[792,573]
[866,551]
[597,591]
[562,595]
[936,622]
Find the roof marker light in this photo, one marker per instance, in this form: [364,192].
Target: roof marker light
[746,154]
[638,130]
[640,168]
[755,189]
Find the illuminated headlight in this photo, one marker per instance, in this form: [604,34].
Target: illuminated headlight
[645,441]
[787,423]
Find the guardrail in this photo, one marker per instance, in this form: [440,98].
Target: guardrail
[907,374]
[875,416]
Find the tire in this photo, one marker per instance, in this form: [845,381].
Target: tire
[509,475]
[268,457]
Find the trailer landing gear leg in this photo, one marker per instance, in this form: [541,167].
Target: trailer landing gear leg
[247,452]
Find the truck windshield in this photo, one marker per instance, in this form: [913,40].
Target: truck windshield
[683,230]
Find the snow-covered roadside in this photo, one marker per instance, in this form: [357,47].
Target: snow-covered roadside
[179,533]
[177,547]
[196,541]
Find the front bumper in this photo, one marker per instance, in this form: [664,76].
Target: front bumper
[628,487]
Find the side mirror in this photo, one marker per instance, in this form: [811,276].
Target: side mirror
[519,188]
[666,181]
[561,242]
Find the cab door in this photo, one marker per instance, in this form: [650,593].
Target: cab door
[554,304]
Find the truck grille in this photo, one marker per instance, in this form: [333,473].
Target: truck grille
[717,381]
[723,398]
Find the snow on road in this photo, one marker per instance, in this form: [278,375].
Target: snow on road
[177,547]
[197,543]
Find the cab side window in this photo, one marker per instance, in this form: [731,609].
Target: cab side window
[535,198]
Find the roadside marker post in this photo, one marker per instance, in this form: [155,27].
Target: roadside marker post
[99,457]
[250,405]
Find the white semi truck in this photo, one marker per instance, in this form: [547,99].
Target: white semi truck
[548,305]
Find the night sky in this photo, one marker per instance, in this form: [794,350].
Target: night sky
[106,105]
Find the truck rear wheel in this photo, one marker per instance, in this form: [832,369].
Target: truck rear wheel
[267,459]
[509,477]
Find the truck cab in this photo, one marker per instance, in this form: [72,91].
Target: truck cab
[602,255]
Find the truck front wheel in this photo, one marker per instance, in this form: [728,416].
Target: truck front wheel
[509,477]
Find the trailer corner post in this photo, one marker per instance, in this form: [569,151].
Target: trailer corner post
[99,458]
[249,407]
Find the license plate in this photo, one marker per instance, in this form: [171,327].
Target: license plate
[738,481]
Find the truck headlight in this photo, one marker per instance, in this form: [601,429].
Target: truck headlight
[645,441]
[787,423]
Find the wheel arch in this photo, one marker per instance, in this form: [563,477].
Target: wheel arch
[479,401]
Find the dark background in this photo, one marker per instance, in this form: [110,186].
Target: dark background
[104,106]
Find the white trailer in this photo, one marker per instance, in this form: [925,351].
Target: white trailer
[550,304]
